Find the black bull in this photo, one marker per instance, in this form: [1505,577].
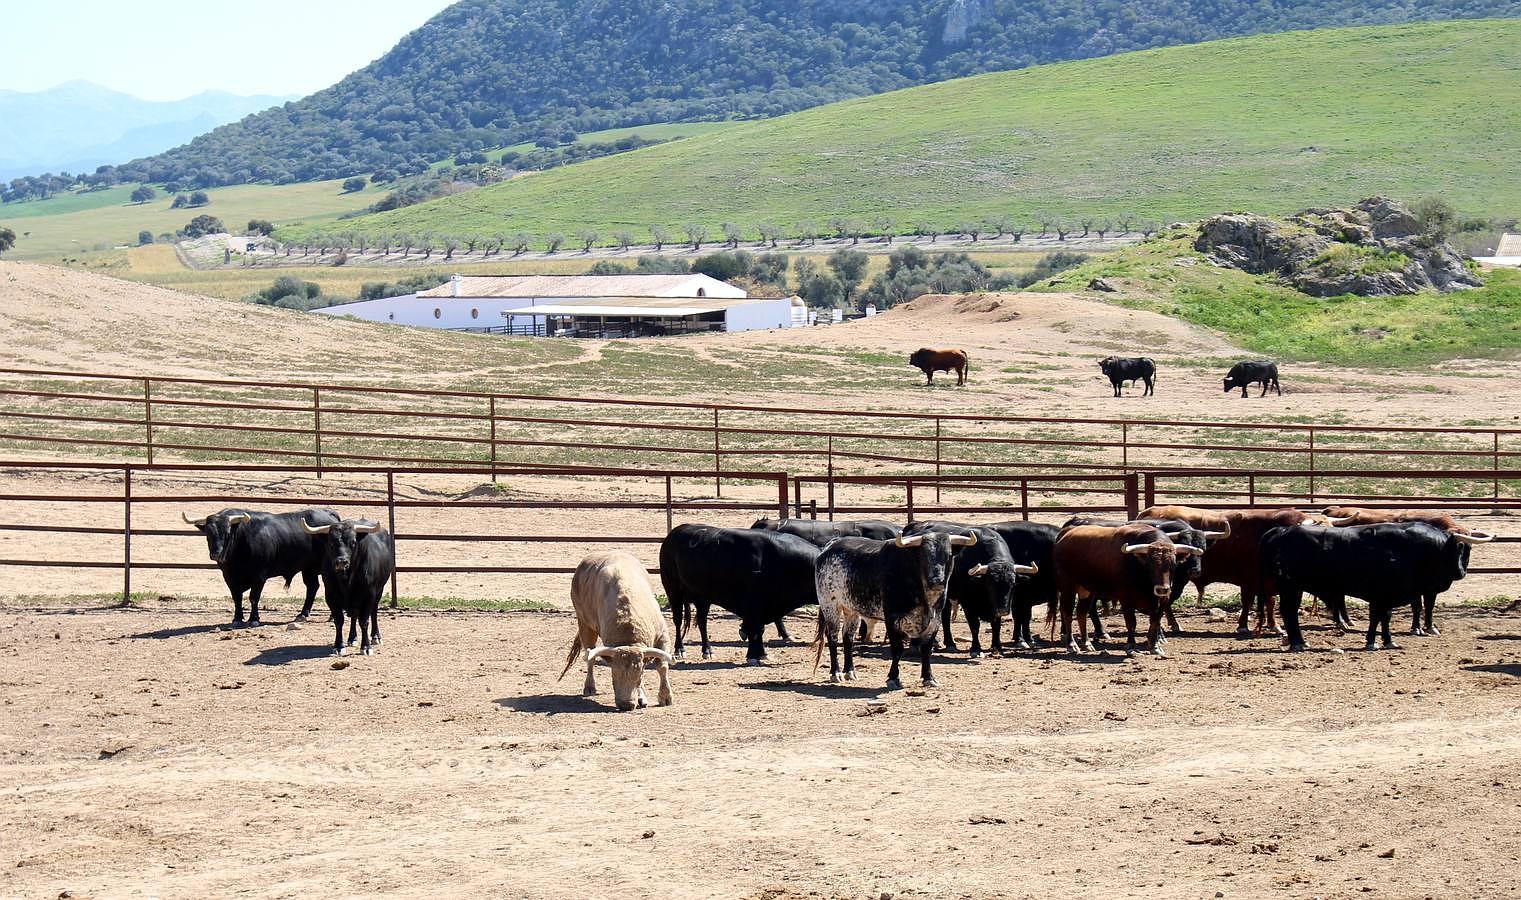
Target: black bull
[251,547]
[1387,565]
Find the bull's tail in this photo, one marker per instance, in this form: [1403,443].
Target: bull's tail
[572,656]
[1051,619]
[818,642]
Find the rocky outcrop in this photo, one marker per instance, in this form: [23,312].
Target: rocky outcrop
[1374,250]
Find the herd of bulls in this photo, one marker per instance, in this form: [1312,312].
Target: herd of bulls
[911,580]
[1118,369]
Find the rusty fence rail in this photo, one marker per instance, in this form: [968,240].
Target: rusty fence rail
[332,427]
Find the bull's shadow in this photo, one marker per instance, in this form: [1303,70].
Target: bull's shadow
[280,656]
[554,704]
[164,634]
[1511,669]
[1500,637]
[856,691]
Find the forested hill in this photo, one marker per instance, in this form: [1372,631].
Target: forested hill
[487,73]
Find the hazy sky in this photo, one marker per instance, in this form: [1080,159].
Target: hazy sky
[169,49]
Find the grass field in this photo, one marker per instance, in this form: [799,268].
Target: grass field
[664,131]
[1278,321]
[70,224]
[1300,119]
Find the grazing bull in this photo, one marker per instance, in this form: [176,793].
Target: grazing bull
[1030,544]
[931,361]
[251,547]
[619,622]
[1121,370]
[1131,565]
[983,583]
[1343,516]
[759,576]
[901,583]
[1258,371]
[358,558]
[1387,565]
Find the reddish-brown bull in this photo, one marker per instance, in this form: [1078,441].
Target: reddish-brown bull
[1131,565]
[931,361]
[1208,520]
[1237,560]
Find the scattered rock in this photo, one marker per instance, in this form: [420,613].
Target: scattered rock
[872,708]
[1387,854]
[341,664]
[914,692]
[1216,614]
[114,750]
[1103,285]
[647,835]
[987,820]
[294,626]
[230,685]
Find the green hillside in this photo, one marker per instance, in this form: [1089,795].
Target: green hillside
[1271,123]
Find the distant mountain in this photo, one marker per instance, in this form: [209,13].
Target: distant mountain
[78,126]
[488,73]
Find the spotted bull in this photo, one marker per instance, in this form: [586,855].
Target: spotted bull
[901,583]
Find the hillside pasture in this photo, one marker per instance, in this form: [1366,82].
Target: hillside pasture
[1304,118]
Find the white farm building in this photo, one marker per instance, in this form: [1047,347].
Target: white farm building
[581,306]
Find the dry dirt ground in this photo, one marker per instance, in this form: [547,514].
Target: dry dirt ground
[147,752]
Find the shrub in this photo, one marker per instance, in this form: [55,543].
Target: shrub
[1052,264]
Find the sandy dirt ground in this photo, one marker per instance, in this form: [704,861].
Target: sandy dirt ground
[147,752]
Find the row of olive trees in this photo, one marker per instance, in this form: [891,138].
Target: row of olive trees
[696,236]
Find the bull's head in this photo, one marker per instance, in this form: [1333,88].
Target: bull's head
[917,358]
[219,529]
[628,665]
[1159,558]
[937,554]
[342,540]
[1105,363]
[1230,384]
[1002,576]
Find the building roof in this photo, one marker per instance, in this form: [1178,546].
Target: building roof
[576,286]
[1510,245]
[639,306]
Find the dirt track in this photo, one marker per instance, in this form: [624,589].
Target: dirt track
[147,752]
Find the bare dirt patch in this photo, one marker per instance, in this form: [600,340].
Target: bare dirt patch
[149,752]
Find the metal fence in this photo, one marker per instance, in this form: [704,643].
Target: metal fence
[328,426]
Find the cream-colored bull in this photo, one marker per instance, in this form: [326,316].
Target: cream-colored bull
[619,622]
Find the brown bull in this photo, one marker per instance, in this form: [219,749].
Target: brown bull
[1131,565]
[618,621]
[1199,519]
[931,361]
[1237,560]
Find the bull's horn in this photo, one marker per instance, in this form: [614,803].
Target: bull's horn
[196,522]
[309,528]
[596,654]
[1342,520]
[363,527]
[1020,569]
[1188,549]
[914,541]
[1478,537]
[659,654]
[964,540]
[978,570]
[1227,532]
[239,518]
[1215,535]
[1137,548]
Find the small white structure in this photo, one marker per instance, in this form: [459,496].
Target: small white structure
[546,304]
[1507,252]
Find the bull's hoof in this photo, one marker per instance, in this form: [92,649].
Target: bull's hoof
[1158,652]
[1243,633]
[948,646]
[975,654]
[1370,647]
[1022,645]
[1431,631]
[337,651]
[1073,648]
[894,684]
[1296,647]
[707,654]
[851,675]
[755,661]
[300,617]
[681,653]
[664,699]
[254,623]
[1391,645]
[836,678]
[1130,653]
[367,651]
[930,683]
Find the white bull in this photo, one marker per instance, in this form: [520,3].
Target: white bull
[619,623]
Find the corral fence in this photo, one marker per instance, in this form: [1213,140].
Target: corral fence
[129,505]
[333,427]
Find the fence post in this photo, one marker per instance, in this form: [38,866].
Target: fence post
[781,493]
[1251,489]
[1151,490]
[813,509]
[1124,447]
[937,459]
[126,535]
[669,521]
[829,457]
[797,498]
[1495,487]
[1312,466]
[317,428]
[148,417]
[1133,495]
[391,520]
[493,438]
[718,484]
[908,485]
[1024,498]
